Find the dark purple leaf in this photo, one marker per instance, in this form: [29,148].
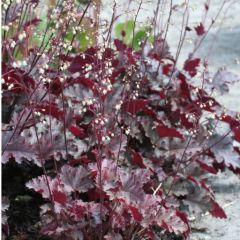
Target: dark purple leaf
[217,211]
[134,106]
[77,131]
[237,133]
[206,167]
[120,45]
[76,179]
[191,66]
[200,29]
[137,159]
[137,216]
[184,86]
[18,148]
[59,197]
[164,131]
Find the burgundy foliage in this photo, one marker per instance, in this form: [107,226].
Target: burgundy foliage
[200,29]
[129,144]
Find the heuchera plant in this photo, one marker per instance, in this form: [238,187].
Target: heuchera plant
[129,137]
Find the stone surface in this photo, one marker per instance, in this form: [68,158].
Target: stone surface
[227,189]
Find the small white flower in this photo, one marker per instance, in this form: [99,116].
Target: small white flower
[37,113]
[22,36]
[5,28]
[13,44]
[24,63]
[118,107]
[41,70]
[109,87]
[10,86]
[127,131]
[61,79]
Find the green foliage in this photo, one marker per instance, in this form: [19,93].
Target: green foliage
[131,35]
[83,38]
[127,28]
[83,1]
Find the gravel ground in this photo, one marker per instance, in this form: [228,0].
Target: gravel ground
[227,189]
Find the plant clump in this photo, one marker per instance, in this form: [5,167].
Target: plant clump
[111,138]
